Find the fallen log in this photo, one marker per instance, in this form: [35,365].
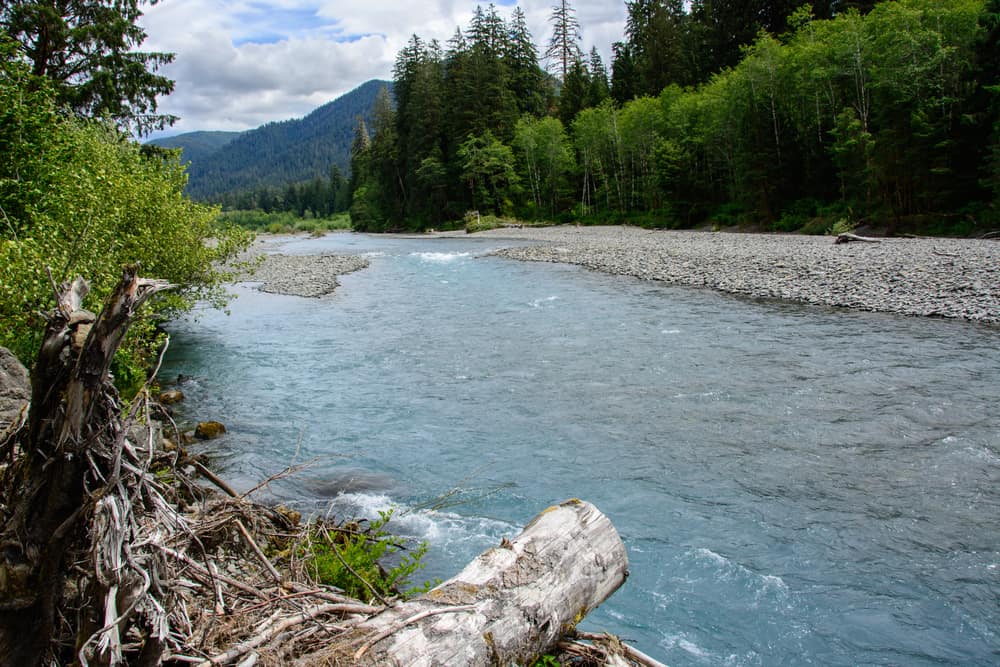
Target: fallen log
[847,237]
[513,603]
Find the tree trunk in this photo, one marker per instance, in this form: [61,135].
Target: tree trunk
[43,496]
[511,604]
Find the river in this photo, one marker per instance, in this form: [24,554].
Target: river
[794,485]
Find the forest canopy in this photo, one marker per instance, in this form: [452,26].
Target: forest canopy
[865,112]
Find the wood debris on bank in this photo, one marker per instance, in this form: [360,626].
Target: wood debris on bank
[117,552]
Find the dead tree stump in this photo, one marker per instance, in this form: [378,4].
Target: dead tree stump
[46,491]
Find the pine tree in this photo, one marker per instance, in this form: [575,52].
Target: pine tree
[526,79]
[599,89]
[564,47]
[86,48]
[575,93]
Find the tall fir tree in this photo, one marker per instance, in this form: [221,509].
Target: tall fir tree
[599,88]
[564,46]
[624,77]
[88,49]
[575,94]
[527,80]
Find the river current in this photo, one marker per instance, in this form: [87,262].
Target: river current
[794,485]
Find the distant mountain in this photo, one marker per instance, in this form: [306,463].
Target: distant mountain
[284,152]
[196,147]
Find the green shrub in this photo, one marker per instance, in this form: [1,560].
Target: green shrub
[796,215]
[79,198]
[728,215]
[285,222]
[350,559]
[474,222]
[842,226]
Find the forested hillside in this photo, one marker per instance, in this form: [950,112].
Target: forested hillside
[277,154]
[196,147]
[881,113]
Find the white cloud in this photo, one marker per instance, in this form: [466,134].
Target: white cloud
[242,63]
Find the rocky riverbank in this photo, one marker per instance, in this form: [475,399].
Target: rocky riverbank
[955,278]
[295,275]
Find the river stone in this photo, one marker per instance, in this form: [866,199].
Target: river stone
[209,430]
[15,387]
[139,433]
[171,396]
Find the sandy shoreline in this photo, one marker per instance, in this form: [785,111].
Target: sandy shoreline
[954,278]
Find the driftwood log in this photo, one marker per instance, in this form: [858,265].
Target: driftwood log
[67,451]
[511,604]
[847,237]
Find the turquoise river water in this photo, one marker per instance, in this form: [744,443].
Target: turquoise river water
[794,485]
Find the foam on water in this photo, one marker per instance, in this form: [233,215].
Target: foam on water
[537,303]
[437,527]
[688,646]
[440,257]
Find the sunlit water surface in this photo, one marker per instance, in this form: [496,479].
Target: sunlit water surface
[794,485]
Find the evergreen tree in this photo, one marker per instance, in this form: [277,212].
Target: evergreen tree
[564,47]
[575,94]
[460,91]
[492,102]
[624,77]
[599,89]
[378,197]
[86,48]
[986,98]
[723,27]
[656,32]
[527,80]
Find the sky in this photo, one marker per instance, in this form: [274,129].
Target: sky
[242,63]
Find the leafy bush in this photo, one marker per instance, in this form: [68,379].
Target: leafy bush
[728,215]
[284,222]
[796,215]
[350,559]
[474,222]
[842,226]
[79,198]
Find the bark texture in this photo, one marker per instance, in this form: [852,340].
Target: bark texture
[51,486]
[511,604]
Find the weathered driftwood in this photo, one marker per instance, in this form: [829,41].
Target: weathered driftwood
[847,237]
[70,447]
[511,604]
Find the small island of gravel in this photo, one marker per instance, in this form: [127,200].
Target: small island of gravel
[294,275]
[942,277]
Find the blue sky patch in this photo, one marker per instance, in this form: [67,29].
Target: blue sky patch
[266,24]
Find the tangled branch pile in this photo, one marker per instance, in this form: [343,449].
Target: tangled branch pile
[111,552]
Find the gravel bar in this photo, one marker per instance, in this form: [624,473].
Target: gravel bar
[934,277]
[296,275]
